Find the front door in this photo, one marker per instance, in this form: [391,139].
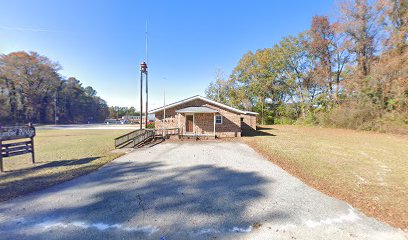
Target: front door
[189,123]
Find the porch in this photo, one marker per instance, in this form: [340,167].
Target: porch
[196,122]
[188,123]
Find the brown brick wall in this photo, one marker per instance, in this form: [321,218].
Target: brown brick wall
[204,123]
[231,126]
[249,121]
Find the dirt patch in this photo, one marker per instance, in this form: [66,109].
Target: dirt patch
[256,225]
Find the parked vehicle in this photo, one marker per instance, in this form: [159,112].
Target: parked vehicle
[112,121]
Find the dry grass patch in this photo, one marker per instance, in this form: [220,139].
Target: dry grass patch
[368,170]
[61,155]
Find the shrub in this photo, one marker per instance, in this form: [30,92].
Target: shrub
[150,125]
[363,115]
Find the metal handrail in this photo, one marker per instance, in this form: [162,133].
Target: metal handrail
[134,137]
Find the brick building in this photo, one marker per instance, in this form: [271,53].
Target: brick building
[199,116]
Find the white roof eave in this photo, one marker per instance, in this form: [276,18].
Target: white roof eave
[196,110]
[204,99]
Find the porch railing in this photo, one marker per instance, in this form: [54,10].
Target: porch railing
[167,132]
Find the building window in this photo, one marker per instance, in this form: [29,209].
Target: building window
[218,119]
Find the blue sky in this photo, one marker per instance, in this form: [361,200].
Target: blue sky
[103,42]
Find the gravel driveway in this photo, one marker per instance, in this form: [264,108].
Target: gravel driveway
[190,190]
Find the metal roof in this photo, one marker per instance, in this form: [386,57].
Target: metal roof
[206,100]
[196,110]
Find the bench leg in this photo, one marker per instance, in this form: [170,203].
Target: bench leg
[1,158]
[32,150]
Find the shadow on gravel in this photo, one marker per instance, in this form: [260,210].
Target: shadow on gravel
[178,198]
[151,143]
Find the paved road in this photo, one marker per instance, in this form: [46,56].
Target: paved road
[194,190]
[99,126]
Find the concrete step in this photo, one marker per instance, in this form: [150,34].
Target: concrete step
[196,138]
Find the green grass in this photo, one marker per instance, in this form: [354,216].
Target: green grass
[61,155]
[368,170]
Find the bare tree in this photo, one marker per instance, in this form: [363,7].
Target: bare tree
[359,23]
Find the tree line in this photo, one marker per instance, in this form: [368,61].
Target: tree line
[32,90]
[352,72]
[116,112]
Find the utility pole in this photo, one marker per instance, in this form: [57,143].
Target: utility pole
[55,108]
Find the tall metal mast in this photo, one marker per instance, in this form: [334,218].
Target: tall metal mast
[147,82]
[147,56]
[164,110]
[142,69]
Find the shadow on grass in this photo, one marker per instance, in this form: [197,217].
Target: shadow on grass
[20,182]
[67,162]
[265,128]
[53,164]
[259,132]
[23,181]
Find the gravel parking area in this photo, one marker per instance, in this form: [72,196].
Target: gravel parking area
[187,190]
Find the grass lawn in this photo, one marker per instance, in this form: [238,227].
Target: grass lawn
[61,155]
[368,170]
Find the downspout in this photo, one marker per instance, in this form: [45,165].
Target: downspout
[178,114]
[164,114]
[214,124]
